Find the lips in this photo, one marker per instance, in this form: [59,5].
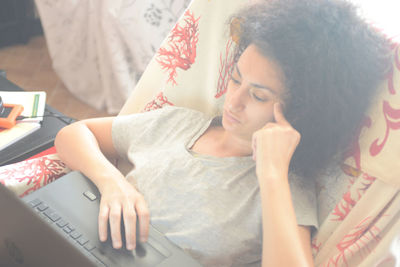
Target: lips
[231,117]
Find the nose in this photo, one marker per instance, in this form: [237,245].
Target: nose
[237,99]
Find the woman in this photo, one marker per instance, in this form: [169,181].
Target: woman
[238,189]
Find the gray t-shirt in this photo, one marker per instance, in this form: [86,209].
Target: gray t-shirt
[209,206]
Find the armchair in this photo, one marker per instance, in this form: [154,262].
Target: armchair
[359,212]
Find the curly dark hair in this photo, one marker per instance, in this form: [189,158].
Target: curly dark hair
[332,61]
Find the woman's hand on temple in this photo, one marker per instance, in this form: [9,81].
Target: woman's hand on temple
[121,201]
[274,145]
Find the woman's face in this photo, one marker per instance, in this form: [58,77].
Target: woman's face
[256,84]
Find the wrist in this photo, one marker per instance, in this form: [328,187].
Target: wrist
[109,179]
[271,172]
[272,185]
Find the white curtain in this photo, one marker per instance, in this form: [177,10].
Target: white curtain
[99,48]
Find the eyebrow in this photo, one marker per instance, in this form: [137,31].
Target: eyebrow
[255,84]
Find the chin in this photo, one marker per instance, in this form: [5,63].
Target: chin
[233,129]
[225,124]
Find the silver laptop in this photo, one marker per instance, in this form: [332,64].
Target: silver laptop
[57,226]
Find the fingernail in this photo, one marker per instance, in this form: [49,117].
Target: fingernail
[130,247]
[116,244]
[143,239]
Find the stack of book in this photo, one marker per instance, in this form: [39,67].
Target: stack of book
[34,105]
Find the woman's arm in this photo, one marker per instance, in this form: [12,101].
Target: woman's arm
[87,146]
[284,242]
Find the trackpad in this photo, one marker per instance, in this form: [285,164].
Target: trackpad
[144,255]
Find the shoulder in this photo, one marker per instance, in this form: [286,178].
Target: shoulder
[168,113]
[175,118]
[165,125]
[174,112]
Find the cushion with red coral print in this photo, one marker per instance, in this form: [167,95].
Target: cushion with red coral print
[29,175]
[193,65]
[377,151]
[358,207]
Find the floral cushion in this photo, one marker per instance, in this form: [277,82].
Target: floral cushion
[27,176]
[378,150]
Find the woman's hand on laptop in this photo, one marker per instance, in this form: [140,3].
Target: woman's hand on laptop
[121,199]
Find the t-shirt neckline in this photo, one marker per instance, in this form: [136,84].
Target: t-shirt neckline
[197,155]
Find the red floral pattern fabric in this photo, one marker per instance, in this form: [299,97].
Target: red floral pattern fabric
[362,226]
[226,64]
[159,102]
[27,176]
[181,51]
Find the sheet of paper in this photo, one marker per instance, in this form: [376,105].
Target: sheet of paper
[34,103]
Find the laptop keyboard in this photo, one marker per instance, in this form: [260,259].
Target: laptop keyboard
[49,215]
[99,255]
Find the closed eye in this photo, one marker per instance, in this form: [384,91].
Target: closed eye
[259,98]
[235,81]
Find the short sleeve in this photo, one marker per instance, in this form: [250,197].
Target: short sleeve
[155,128]
[304,200]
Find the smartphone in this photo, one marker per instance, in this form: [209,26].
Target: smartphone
[9,114]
